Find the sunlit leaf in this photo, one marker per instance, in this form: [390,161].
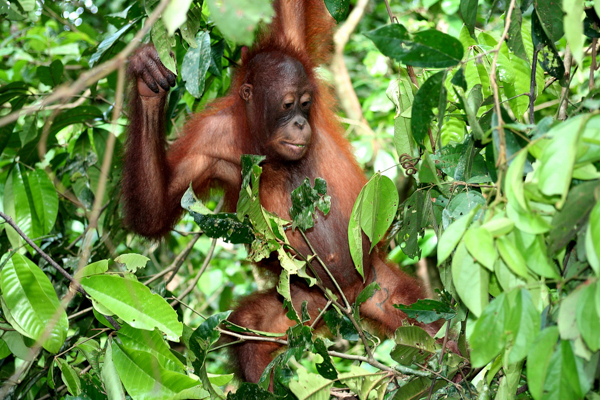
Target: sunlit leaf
[29,297]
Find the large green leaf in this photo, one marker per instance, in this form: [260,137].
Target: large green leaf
[428,49]
[563,381]
[32,303]
[550,14]
[110,376]
[487,338]
[151,342]
[310,386]
[471,280]
[413,345]
[195,64]
[480,243]
[452,236]
[468,12]
[588,317]
[70,377]
[109,41]
[175,15]
[31,200]
[379,205]
[238,18]
[134,303]
[144,377]
[592,240]
[538,360]
[522,326]
[427,98]
[573,19]
[338,9]
[558,158]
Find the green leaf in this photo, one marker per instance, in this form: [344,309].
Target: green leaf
[132,261]
[16,344]
[109,41]
[537,260]
[558,158]
[427,311]
[573,19]
[310,386]
[471,280]
[401,93]
[70,377]
[514,38]
[428,49]
[367,385]
[305,201]
[195,64]
[588,317]
[134,303]
[522,325]
[151,342]
[413,345]
[512,256]
[567,315]
[52,75]
[412,224]
[161,41]
[427,98]
[75,115]
[99,267]
[31,199]
[378,209]
[468,12]
[175,15]
[562,380]
[110,377]
[568,221]
[521,84]
[480,243]
[538,360]
[550,15]
[326,368]
[237,19]
[518,208]
[550,61]
[487,338]
[142,375]
[452,236]
[30,299]
[592,241]
[338,9]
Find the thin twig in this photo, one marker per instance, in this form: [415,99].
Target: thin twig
[564,93]
[501,162]
[532,86]
[45,256]
[325,268]
[314,323]
[198,275]
[593,66]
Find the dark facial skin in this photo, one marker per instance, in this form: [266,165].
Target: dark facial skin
[286,105]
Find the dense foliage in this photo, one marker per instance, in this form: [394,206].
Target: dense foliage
[485,147]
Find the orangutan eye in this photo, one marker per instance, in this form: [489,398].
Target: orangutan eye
[306,103]
[288,105]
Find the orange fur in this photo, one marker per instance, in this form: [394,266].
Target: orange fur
[209,153]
